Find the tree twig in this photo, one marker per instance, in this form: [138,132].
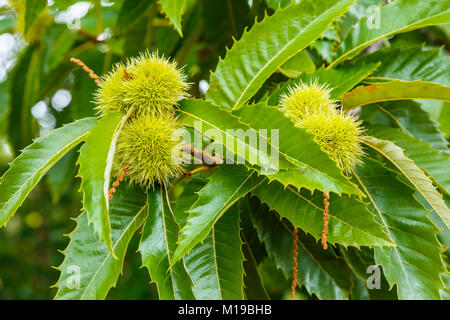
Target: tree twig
[208,159]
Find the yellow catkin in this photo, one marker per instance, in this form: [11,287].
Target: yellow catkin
[85,68]
[326,216]
[294,263]
[116,183]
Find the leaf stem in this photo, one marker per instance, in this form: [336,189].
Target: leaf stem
[196,170]
[208,159]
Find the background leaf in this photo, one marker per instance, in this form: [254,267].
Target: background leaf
[25,84]
[415,63]
[360,260]
[396,17]
[253,282]
[298,64]
[131,12]
[32,9]
[408,116]
[276,39]
[60,176]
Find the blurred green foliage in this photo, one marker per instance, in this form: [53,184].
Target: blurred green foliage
[35,48]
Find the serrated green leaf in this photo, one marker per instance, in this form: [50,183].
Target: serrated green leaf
[355,13]
[95,160]
[89,270]
[318,170]
[350,222]
[415,263]
[397,17]
[249,234]
[224,188]
[206,118]
[207,263]
[320,271]
[430,160]
[269,44]
[394,90]
[411,172]
[275,4]
[158,242]
[216,265]
[174,10]
[444,237]
[34,162]
[410,64]
[445,293]
[339,80]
